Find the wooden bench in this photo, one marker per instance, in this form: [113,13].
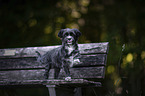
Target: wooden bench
[19,67]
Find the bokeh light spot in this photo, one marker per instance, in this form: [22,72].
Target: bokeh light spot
[129,57]
[32,22]
[110,69]
[75,14]
[60,20]
[47,29]
[117,82]
[143,55]
[84,2]
[81,22]
[73,25]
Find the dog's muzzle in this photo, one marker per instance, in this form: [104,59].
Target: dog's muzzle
[69,40]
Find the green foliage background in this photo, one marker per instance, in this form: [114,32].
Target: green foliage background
[26,23]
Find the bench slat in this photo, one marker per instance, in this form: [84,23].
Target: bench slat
[90,48]
[73,83]
[25,63]
[86,72]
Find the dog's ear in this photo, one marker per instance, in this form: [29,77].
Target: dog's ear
[78,33]
[60,33]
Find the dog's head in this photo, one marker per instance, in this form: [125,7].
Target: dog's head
[69,36]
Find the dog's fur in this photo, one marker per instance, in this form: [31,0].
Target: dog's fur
[62,57]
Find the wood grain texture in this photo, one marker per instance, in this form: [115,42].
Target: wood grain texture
[86,72]
[30,63]
[90,48]
[19,63]
[92,60]
[57,82]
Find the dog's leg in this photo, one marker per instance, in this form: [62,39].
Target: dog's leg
[57,70]
[68,77]
[67,72]
[47,68]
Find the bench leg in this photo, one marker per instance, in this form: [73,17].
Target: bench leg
[78,91]
[51,89]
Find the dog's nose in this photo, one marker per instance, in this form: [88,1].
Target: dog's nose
[69,38]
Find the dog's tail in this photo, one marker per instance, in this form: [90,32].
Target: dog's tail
[39,56]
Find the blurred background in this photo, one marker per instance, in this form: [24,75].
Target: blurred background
[26,23]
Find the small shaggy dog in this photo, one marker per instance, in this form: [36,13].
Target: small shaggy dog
[62,57]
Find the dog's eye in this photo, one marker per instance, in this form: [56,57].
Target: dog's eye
[66,34]
[71,34]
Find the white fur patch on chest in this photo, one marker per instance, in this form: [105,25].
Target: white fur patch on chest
[70,49]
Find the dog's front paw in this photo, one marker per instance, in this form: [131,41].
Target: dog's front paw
[68,79]
[76,61]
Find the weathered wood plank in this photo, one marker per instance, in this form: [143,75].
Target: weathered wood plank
[19,63]
[25,63]
[30,51]
[51,82]
[94,48]
[85,72]
[92,60]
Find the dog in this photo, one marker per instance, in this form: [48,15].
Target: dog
[65,56]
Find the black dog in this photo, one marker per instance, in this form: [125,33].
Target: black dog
[62,57]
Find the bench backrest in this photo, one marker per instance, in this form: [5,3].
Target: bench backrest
[21,64]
